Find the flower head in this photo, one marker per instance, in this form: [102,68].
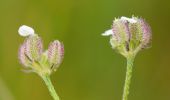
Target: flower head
[129,35]
[32,55]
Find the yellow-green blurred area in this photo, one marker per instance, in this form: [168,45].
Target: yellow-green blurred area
[91,70]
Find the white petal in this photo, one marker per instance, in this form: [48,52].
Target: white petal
[25,31]
[130,20]
[108,32]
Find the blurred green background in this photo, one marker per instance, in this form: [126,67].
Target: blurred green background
[91,69]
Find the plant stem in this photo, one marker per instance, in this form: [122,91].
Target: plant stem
[50,87]
[130,60]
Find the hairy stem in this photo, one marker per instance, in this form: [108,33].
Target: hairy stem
[50,87]
[130,60]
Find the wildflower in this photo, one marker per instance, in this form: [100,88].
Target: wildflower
[129,35]
[32,56]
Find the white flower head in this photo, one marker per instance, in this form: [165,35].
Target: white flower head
[25,31]
[108,32]
[130,20]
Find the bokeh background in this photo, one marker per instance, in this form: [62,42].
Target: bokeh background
[91,69]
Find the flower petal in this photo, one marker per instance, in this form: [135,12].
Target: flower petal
[130,20]
[25,31]
[108,32]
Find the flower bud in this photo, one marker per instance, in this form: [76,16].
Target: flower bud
[147,36]
[55,53]
[129,35]
[141,35]
[34,47]
[23,58]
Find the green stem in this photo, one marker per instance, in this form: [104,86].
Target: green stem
[50,87]
[130,60]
